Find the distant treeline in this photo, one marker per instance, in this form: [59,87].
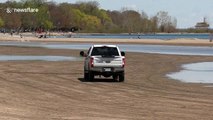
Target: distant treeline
[81,16]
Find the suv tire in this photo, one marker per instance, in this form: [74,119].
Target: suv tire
[90,76]
[86,76]
[121,77]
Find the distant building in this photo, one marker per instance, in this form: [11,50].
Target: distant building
[202,25]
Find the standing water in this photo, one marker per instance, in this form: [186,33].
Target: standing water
[195,73]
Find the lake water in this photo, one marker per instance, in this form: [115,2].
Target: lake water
[138,36]
[159,49]
[195,73]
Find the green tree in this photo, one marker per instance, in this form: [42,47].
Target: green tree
[39,19]
[34,3]
[84,15]
[92,23]
[63,16]
[79,18]
[48,24]
[106,21]
[43,18]
[90,7]
[29,20]
[1,22]
[102,14]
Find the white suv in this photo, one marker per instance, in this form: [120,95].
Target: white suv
[105,60]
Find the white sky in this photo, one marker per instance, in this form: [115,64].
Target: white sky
[187,12]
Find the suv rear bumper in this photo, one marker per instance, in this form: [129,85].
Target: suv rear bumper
[106,69]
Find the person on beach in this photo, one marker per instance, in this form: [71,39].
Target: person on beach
[211,37]
[11,33]
[139,36]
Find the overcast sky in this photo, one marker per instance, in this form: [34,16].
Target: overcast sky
[187,12]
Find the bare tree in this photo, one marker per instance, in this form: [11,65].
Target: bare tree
[166,22]
[154,24]
[131,21]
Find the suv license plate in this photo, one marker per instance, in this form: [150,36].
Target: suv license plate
[107,69]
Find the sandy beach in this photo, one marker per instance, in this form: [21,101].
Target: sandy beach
[41,90]
[187,42]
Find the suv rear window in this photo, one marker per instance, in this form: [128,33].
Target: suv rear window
[105,51]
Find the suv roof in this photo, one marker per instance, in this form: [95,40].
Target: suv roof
[104,46]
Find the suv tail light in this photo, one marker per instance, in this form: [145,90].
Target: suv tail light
[123,62]
[91,62]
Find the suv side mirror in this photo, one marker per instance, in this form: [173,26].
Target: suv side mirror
[122,53]
[82,54]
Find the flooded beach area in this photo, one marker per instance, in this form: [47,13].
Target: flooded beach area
[56,90]
[184,75]
[140,48]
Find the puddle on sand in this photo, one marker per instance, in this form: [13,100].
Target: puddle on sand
[37,58]
[194,73]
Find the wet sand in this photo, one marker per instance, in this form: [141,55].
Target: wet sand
[39,90]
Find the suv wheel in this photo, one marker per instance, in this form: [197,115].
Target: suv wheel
[121,77]
[90,76]
[86,76]
[115,77]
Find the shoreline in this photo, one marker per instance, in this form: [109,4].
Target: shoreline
[181,42]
